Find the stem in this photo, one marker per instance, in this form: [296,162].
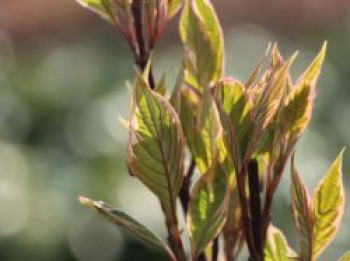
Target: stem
[215,247]
[142,55]
[255,206]
[185,187]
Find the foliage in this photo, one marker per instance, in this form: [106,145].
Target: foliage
[232,131]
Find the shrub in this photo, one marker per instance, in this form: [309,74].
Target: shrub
[239,138]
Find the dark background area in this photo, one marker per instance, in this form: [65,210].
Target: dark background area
[62,92]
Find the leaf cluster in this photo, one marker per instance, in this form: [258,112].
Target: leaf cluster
[238,137]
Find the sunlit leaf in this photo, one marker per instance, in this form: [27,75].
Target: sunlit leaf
[277,248]
[299,102]
[345,257]
[156,145]
[202,36]
[103,8]
[302,213]
[270,96]
[128,223]
[207,210]
[328,202]
[236,116]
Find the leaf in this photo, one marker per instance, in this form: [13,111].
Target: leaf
[345,257]
[328,201]
[208,135]
[207,209]
[302,213]
[160,87]
[201,34]
[156,146]
[173,7]
[277,248]
[128,223]
[103,8]
[236,117]
[299,102]
[269,98]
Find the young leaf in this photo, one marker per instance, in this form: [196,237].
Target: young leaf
[269,98]
[345,257]
[299,102]
[277,248]
[103,8]
[156,146]
[128,223]
[302,213]
[207,210]
[209,133]
[328,202]
[236,116]
[201,33]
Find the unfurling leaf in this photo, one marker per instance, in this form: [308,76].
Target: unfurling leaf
[235,110]
[269,98]
[299,102]
[328,203]
[277,248]
[208,207]
[345,257]
[302,213]
[103,8]
[128,223]
[156,146]
[202,36]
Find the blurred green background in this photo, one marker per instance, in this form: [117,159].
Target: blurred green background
[62,90]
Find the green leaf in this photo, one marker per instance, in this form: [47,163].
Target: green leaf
[235,109]
[345,257]
[302,213]
[103,8]
[201,33]
[173,7]
[277,248]
[208,135]
[328,202]
[156,146]
[128,223]
[207,209]
[299,102]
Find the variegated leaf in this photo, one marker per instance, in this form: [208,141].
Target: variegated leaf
[156,145]
[277,248]
[202,36]
[208,207]
[103,8]
[328,204]
[299,102]
[302,213]
[345,257]
[129,224]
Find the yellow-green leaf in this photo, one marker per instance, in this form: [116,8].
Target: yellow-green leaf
[207,209]
[235,110]
[328,202]
[302,213]
[277,248]
[201,34]
[103,8]
[129,224]
[345,257]
[156,145]
[299,102]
